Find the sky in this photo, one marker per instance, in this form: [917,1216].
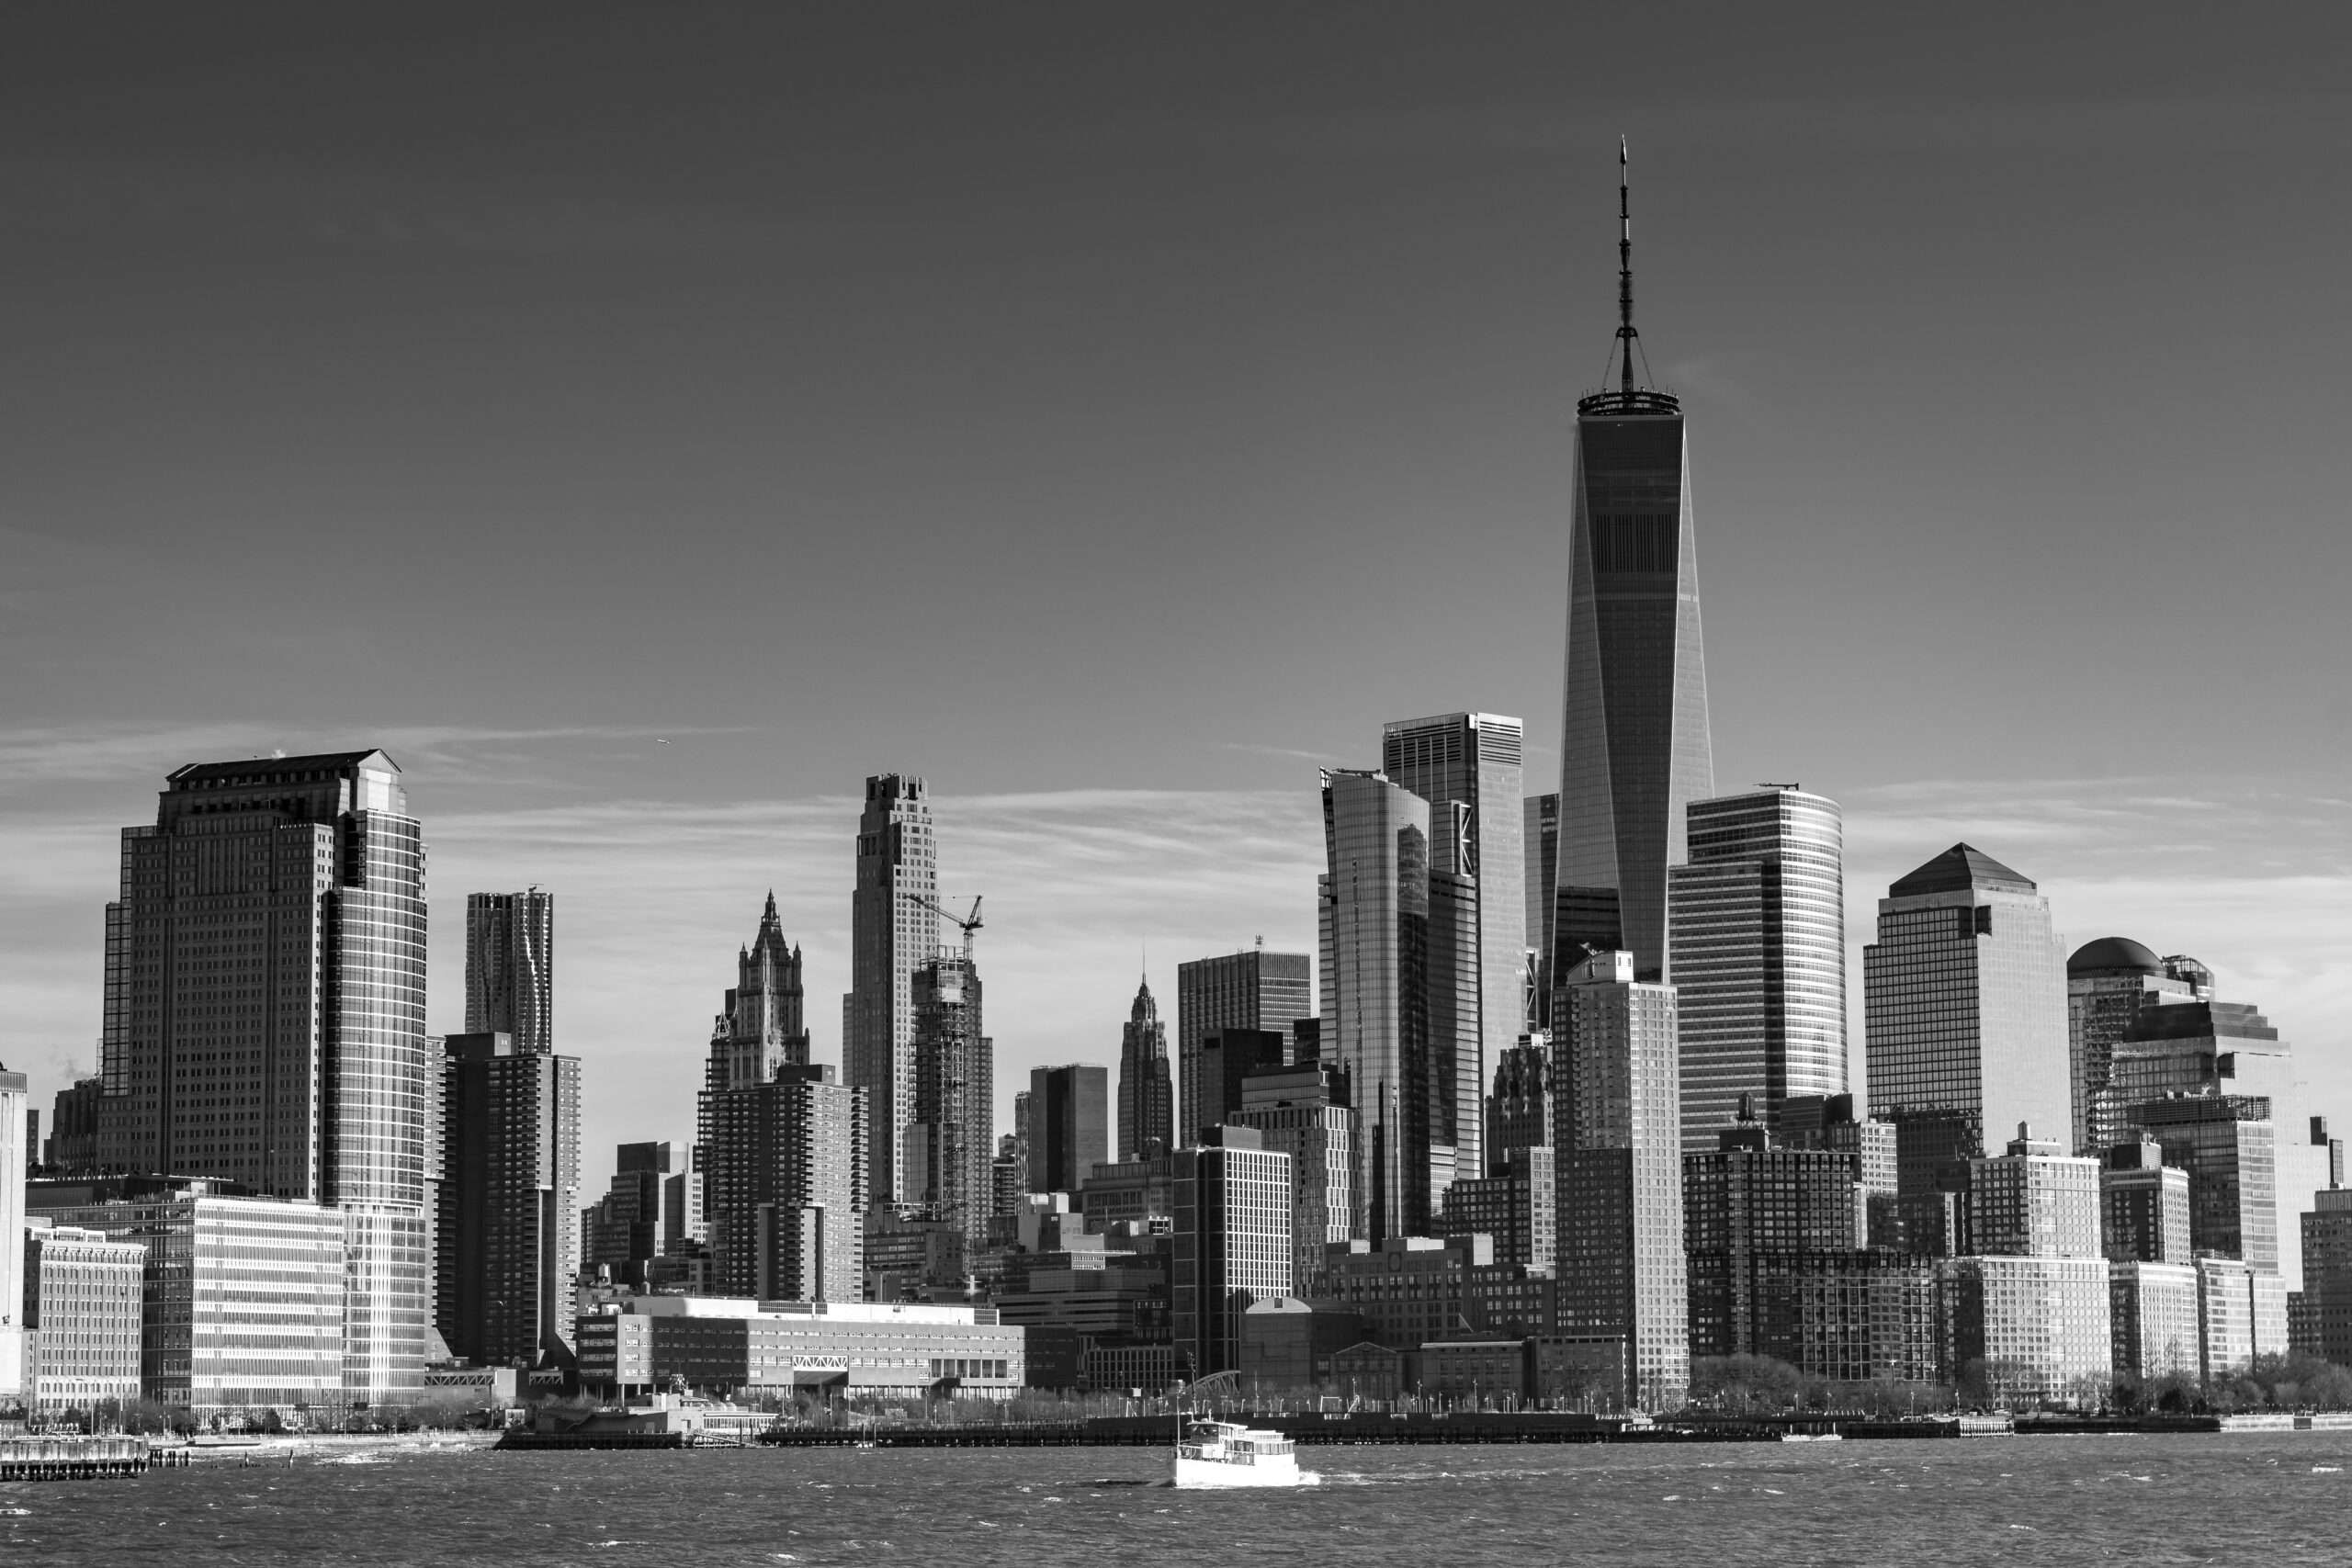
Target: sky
[646,423]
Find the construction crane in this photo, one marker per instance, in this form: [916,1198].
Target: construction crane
[969,925]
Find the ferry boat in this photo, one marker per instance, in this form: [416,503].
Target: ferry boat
[1225,1453]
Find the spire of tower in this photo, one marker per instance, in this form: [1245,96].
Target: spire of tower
[1625,333]
[1627,397]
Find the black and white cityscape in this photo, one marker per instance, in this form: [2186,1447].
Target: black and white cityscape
[1028,520]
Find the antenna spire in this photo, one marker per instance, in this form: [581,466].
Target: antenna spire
[1625,333]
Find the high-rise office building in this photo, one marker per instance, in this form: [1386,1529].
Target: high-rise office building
[1518,1204]
[1540,847]
[951,1140]
[1227,1059]
[1519,1113]
[1474,760]
[1232,1243]
[651,1208]
[2109,982]
[264,1018]
[2203,1046]
[1757,920]
[1373,905]
[761,1025]
[510,968]
[1633,749]
[1069,1125]
[1303,1111]
[15,1090]
[894,931]
[507,1235]
[1250,989]
[1965,1012]
[71,1145]
[784,1186]
[2326,1328]
[2228,1145]
[1146,1095]
[1617,1145]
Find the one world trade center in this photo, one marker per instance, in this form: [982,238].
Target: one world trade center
[1634,750]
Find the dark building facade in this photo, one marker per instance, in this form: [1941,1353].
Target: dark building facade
[951,1143]
[1069,1125]
[1232,1241]
[651,1209]
[783,1185]
[1146,1092]
[507,1232]
[72,1146]
[1751,1208]
[1250,989]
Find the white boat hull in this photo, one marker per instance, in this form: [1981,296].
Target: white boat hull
[1203,1474]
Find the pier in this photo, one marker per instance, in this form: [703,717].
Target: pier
[73,1458]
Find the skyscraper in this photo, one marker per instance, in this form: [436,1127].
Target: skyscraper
[508,1235]
[1618,1153]
[1540,839]
[953,1137]
[1473,761]
[785,1187]
[894,931]
[1965,1012]
[510,968]
[651,1208]
[2108,982]
[1756,919]
[1634,749]
[265,1017]
[1068,1131]
[1303,1111]
[1374,929]
[760,1026]
[1232,1243]
[1250,989]
[1147,1097]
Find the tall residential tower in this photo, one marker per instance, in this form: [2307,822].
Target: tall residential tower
[510,968]
[894,931]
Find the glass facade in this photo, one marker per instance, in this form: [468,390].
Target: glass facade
[1634,749]
[1252,989]
[894,931]
[243,1298]
[1965,1012]
[1232,1243]
[266,1016]
[1374,929]
[1757,919]
[1474,760]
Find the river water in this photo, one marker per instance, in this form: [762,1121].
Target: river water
[2271,1499]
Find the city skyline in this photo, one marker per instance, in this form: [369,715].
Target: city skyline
[568,784]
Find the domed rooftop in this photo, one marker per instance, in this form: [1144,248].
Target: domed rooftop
[2113,953]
